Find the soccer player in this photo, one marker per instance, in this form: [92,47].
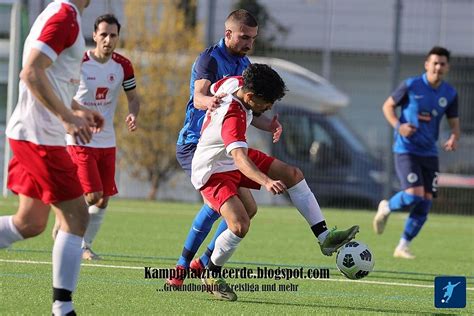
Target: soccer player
[103,74]
[423,100]
[226,58]
[41,171]
[223,162]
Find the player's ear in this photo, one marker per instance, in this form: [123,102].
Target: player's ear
[248,96]
[228,33]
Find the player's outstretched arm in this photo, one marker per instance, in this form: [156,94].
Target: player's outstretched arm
[250,170]
[34,76]
[133,109]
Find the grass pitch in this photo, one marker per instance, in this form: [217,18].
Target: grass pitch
[136,234]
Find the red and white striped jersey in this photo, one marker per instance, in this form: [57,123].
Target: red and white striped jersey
[223,130]
[99,90]
[57,34]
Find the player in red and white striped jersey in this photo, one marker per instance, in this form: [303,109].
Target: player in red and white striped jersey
[41,171]
[103,74]
[223,162]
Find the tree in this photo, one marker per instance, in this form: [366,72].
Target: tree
[268,27]
[162,46]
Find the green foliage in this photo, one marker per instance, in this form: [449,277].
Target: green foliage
[162,46]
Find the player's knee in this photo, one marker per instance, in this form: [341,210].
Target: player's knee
[31,229]
[295,175]
[102,203]
[93,198]
[241,227]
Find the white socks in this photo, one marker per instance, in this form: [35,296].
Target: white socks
[67,255]
[8,232]
[403,243]
[96,217]
[226,244]
[305,201]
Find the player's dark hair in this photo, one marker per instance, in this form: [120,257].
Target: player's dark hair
[242,16]
[264,82]
[107,18]
[440,51]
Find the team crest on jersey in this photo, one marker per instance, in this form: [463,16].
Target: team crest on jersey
[101,93]
[111,78]
[442,102]
[412,177]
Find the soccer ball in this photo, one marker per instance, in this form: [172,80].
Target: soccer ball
[355,260]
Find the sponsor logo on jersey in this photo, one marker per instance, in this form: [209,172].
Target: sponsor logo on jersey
[424,116]
[101,93]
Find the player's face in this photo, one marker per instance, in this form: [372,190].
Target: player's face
[436,68]
[106,38]
[257,104]
[240,38]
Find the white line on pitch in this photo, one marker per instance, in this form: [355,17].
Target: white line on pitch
[140,268]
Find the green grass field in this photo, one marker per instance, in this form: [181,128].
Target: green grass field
[140,233]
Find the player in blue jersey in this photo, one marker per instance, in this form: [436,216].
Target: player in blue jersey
[423,100]
[226,58]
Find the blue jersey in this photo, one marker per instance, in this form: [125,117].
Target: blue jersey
[423,106]
[213,64]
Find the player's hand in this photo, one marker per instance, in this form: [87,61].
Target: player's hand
[406,129]
[131,121]
[275,186]
[94,119]
[215,101]
[451,144]
[276,128]
[78,126]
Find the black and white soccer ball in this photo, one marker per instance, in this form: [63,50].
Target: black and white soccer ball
[355,260]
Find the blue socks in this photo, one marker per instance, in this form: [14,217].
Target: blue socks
[403,200]
[207,255]
[417,218]
[200,228]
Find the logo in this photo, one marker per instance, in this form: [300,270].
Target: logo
[90,78]
[412,177]
[450,292]
[101,93]
[442,102]
[226,75]
[419,96]
[111,78]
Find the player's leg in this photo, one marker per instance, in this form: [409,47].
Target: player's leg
[251,208]
[30,220]
[101,174]
[67,252]
[305,201]
[410,175]
[419,213]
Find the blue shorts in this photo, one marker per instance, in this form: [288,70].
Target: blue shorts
[184,155]
[413,171]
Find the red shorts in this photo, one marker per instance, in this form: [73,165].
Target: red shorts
[95,168]
[42,172]
[222,186]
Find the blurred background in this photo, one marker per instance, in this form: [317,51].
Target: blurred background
[340,58]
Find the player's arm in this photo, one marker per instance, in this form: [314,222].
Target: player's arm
[34,76]
[269,125]
[388,108]
[452,143]
[250,170]
[95,119]
[202,98]
[133,109]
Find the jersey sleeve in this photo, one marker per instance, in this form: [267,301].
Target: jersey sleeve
[129,82]
[233,130]
[58,33]
[400,95]
[206,67]
[452,109]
